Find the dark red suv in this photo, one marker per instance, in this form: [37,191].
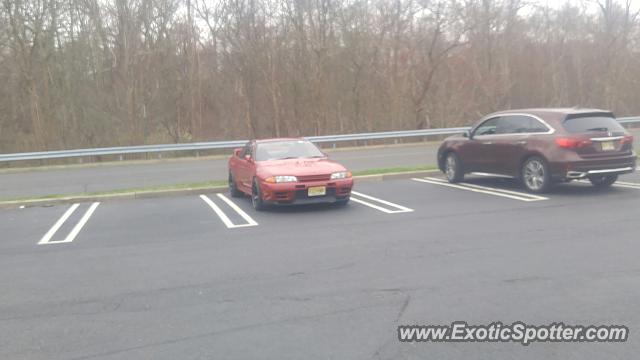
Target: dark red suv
[542,146]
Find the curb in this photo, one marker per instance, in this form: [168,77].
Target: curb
[11,204]
[394,176]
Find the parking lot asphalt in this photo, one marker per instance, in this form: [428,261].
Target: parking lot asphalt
[207,277]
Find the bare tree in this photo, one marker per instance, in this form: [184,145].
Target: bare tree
[83,73]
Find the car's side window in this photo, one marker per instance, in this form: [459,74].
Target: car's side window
[519,124]
[488,127]
[537,127]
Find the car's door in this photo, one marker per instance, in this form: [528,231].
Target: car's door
[245,166]
[477,153]
[514,133]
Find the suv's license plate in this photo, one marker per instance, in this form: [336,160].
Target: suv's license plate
[608,146]
[317,191]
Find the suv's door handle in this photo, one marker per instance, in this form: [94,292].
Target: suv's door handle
[522,142]
[487,142]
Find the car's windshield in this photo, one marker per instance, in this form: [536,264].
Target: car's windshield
[287,149]
[585,124]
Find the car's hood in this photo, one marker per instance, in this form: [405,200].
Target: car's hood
[298,167]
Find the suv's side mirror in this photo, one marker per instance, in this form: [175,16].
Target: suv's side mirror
[237,152]
[467,134]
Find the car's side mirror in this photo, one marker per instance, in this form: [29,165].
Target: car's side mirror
[247,157]
[237,152]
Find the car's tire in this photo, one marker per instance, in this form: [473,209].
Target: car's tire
[342,202]
[535,175]
[453,168]
[256,197]
[603,181]
[233,188]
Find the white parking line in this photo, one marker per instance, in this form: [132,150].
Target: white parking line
[46,239]
[629,184]
[235,207]
[398,208]
[225,219]
[491,175]
[516,193]
[621,184]
[484,190]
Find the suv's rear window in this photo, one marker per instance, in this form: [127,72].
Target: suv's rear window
[584,124]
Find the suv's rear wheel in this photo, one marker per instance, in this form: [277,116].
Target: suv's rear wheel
[535,174]
[603,181]
[453,168]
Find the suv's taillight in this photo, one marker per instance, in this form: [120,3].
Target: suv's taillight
[572,143]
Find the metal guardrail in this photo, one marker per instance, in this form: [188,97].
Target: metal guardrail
[123,150]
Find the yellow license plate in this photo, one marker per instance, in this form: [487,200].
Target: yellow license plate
[317,191]
[608,146]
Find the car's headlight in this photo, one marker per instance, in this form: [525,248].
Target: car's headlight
[341,175]
[281,179]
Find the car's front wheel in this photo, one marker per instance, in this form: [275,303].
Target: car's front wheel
[256,197]
[453,168]
[233,188]
[535,175]
[603,181]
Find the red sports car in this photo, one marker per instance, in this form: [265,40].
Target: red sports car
[287,171]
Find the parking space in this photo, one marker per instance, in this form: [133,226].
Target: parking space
[216,216]
[180,220]
[217,213]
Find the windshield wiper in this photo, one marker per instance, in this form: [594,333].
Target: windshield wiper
[598,129]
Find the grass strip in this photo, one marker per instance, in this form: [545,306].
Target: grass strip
[183,186]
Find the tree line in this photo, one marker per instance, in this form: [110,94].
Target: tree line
[93,73]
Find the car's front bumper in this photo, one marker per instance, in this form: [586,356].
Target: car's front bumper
[298,192]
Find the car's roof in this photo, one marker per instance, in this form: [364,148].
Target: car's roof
[556,113]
